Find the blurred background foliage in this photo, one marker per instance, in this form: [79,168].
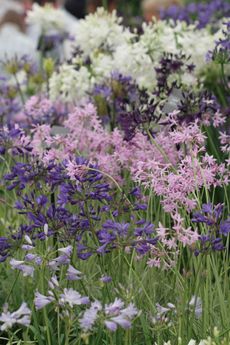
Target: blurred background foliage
[133,7]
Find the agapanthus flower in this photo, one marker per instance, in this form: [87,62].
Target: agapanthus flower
[73,297]
[221,53]
[211,215]
[73,274]
[4,248]
[105,279]
[89,317]
[22,316]
[21,266]
[41,301]
[202,13]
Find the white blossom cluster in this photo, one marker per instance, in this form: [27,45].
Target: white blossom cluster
[47,18]
[69,84]
[110,47]
[101,31]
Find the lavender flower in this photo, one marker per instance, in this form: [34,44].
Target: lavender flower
[72,297]
[73,274]
[26,269]
[105,279]
[41,301]
[90,316]
[21,316]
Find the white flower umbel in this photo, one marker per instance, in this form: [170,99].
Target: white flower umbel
[133,60]
[69,84]
[101,31]
[160,37]
[47,18]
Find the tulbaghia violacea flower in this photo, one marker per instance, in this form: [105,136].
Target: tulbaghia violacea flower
[21,316]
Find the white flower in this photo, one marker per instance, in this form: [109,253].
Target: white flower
[133,60]
[196,305]
[46,18]
[67,250]
[192,342]
[21,316]
[46,228]
[130,311]
[28,240]
[15,263]
[101,30]
[53,283]
[69,84]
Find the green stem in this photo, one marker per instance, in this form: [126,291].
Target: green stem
[19,89]
[105,4]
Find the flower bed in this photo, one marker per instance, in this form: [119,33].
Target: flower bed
[114,194]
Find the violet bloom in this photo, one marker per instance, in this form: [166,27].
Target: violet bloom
[202,13]
[211,216]
[4,248]
[225,227]
[105,279]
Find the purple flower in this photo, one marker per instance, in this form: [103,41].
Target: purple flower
[90,316]
[225,227]
[22,316]
[41,301]
[4,248]
[105,279]
[72,297]
[26,270]
[203,13]
[73,274]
